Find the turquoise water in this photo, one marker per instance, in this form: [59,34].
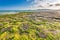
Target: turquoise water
[17,10]
[14,11]
[9,11]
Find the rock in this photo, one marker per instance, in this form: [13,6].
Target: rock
[41,35]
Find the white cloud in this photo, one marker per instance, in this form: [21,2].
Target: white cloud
[45,4]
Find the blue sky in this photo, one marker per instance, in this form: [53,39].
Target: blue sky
[14,4]
[28,4]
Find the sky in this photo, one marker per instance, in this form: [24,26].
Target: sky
[29,4]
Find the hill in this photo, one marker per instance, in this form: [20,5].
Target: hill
[30,26]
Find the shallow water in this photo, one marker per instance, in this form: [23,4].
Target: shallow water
[8,12]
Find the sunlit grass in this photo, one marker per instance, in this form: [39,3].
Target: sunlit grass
[21,26]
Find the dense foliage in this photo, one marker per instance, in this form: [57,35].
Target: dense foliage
[25,26]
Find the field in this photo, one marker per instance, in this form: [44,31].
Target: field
[27,26]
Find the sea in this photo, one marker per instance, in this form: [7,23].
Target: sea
[16,11]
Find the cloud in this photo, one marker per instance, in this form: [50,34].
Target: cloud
[57,4]
[45,4]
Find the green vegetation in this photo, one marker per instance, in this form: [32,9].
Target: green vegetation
[25,26]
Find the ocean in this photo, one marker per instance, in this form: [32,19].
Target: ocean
[14,11]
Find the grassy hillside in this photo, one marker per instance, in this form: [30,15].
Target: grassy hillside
[25,26]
